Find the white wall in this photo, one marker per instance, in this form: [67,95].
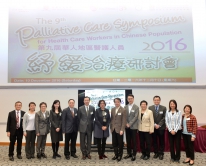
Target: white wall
[194,97]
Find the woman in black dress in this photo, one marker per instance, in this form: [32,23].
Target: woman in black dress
[56,123]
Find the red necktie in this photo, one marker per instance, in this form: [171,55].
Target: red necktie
[17,120]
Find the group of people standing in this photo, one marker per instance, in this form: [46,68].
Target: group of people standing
[150,122]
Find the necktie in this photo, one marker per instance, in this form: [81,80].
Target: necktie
[17,120]
[72,111]
[87,110]
[156,110]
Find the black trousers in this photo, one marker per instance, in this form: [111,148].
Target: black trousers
[73,137]
[131,141]
[101,143]
[30,142]
[17,136]
[117,143]
[189,146]
[159,135]
[175,140]
[145,137]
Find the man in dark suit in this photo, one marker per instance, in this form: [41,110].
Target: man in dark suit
[117,127]
[159,112]
[86,120]
[131,127]
[70,128]
[14,130]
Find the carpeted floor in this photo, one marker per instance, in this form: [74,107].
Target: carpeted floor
[4,160]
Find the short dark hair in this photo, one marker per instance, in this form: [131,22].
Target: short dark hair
[117,99]
[143,101]
[156,97]
[173,101]
[131,95]
[100,102]
[189,106]
[42,103]
[18,102]
[87,97]
[70,100]
[32,103]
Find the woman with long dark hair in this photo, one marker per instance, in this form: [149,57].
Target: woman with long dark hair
[173,122]
[56,123]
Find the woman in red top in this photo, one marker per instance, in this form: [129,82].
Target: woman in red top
[189,124]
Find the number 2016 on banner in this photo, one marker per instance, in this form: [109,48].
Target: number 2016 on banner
[158,45]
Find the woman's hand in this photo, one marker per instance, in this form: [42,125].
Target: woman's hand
[57,129]
[25,134]
[192,138]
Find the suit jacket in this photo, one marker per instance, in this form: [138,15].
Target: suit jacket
[132,117]
[69,123]
[11,122]
[86,122]
[147,122]
[118,120]
[160,118]
[42,125]
[98,132]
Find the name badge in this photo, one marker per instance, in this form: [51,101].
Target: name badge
[105,113]
[188,119]
[91,113]
[119,114]
[161,112]
[132,110]
[75,114]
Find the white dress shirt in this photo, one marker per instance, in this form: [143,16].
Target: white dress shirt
[19,113]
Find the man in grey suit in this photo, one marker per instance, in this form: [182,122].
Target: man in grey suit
[131,127]
[70,129]
[42,126]
[159,112]
[117,127]
[86,115]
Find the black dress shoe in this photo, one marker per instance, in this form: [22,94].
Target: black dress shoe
[161,157]
[74,155]
[32,156]
[89,156]
[58,155]
[11,158]
[38,156]
[127,156]
[146,158]
[28,157]
[67,157]
[19,156]
[114,158]
[172,160]
[83,157]
[156,155]
[119,158]
[43,155]
[177,161]
[54,156]
[142,156]
[133,158]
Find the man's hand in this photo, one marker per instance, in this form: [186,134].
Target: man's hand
[8,134]
[38,134]
[25,134]
[121,132]
[128,126]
